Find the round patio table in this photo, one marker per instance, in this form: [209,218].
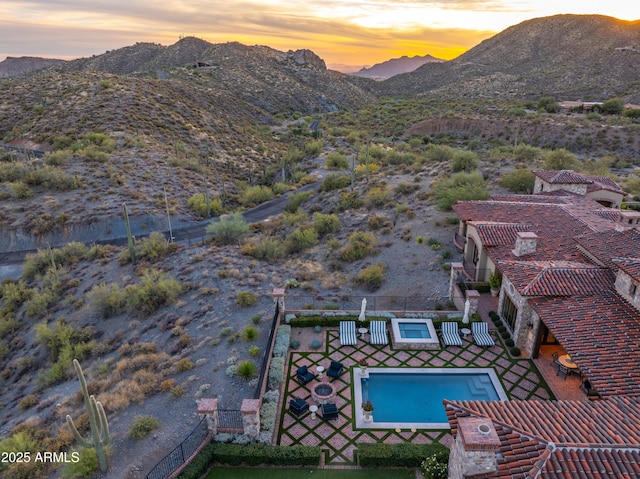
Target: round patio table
[567,362]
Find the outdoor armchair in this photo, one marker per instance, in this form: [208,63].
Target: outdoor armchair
[329,411]
[335,369]
[303,375]
[298,406]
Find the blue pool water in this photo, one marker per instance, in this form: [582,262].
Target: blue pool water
[413,330]
[416,397]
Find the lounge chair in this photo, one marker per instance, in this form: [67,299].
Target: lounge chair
[555,357]
[348,333]
[450,334]
[304,376]
[562,371]
[378,332]
[298,406]
[329,411]
[335,369]
[481,334]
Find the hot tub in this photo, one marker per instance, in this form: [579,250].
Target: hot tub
[414,333]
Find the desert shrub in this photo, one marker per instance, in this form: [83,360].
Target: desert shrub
[14,294]
[372,276]
[464,161]
[334,181]
[198,203]
[153,247]
[255,195]
[20,191]
[326,223]
[267,248]
[247,370]
[361,244]
[515,351]
[246,298]
[439,153]
[142,426]
[177,392]
[548,104]
[58,158]
[167,385]
[315,344]
[155,291]
[313,147]
[184,364]
[43,260]
[51,177]
[375,222]
[336,161]
[226,331]
[295,344]
[249,333]
[301,239]
[378,197]
[229,229]
[520,180]
[460,186]
[405,188]
[107,299]
[86,466]
[296,200]
[253,350]
[28,402]
[560,159]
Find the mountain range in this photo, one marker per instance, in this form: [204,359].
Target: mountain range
[395,66]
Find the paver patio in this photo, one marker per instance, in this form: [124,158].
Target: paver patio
[339,438]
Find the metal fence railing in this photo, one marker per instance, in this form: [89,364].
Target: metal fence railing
[230,420]
[395,304]
[181,453]
[265,363]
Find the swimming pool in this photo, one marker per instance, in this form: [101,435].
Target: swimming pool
[414,333]
[412,397]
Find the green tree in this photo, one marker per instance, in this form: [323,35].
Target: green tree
[461,186]
[548,104]
[520,180]
[613,106]
[229,229]
[560,160]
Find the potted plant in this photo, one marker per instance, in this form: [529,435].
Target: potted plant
[363,366]
[494,283]
[367,409]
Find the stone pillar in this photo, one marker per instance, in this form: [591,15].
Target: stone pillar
[456,269]
[250,411]
[278,296]
[473,296]
[208,407]
[474,449]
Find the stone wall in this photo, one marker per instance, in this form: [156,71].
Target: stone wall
[624,284]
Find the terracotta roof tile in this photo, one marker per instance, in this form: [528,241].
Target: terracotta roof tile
[604,246]
[563,439]
[598,331]
[594,183]
[499,234]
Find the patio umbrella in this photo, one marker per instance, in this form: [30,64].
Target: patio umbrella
[362,309]
[465,318]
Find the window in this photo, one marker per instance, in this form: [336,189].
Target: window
[632,290]
[475,254]
[509,312]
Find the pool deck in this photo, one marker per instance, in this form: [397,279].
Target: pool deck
[339,438]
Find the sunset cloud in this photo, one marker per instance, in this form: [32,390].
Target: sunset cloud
[340,31]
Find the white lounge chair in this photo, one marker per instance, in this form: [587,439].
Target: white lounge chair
[378,332]
[348,333]
[481,334]
[450,334]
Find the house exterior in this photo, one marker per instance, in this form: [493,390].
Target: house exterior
[601,188]
[570,271]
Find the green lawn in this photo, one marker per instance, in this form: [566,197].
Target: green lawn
[303,472]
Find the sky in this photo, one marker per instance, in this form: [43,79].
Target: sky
[347,34]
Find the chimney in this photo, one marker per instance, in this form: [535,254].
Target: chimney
[474,448]
[628,219]
[525,243]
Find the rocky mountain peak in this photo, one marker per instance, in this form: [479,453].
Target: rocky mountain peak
[307,57]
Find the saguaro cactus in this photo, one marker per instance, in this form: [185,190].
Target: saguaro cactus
[97,421]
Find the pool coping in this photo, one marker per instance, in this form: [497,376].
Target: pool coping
[357,373]
[407,342]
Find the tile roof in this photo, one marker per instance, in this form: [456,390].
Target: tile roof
[631,266]
[594,183]
[601,333]
[556,278]
[560,439]
[499,234]
[604,246]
